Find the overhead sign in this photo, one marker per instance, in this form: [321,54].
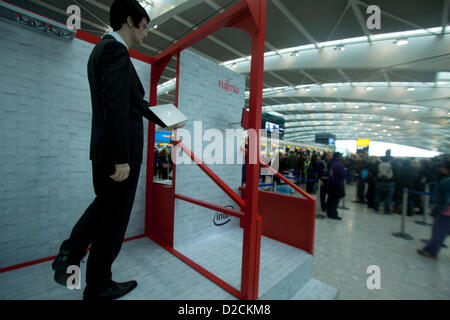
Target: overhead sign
[362,142]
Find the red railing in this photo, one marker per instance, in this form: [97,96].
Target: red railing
[249,16]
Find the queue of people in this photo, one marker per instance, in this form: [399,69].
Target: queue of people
[162,162]
[385,178]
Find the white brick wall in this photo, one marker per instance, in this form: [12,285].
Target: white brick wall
[201,99]
[45,120]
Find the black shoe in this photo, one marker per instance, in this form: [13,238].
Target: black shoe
[63,260]
[425,253]
[335,218]
[114,291]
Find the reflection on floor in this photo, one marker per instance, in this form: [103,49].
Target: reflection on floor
[345,249]
[342,253]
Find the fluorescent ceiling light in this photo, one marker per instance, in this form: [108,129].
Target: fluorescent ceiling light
[410,89]
[414,110]
[335,89]
[443,76]
[383,108]
[369,88]
[356,107]
[401,42]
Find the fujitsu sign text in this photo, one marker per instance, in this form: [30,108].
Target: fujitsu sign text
[225,85]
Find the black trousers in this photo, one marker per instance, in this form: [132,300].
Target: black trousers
[323,194]
[103,224]
[335,193]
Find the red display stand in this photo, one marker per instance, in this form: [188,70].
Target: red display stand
[291,227]
[250,16]
[283,218]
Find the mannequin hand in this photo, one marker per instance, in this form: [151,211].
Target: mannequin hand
[122,172]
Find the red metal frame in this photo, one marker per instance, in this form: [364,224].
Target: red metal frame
[34,262]
[250,16]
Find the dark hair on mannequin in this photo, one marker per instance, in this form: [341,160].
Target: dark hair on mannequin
[122,9]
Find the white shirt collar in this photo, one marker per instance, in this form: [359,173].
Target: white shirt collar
[119,38]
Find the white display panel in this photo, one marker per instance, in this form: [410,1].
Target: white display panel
[212,97]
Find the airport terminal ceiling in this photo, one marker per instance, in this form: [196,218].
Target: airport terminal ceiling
[325,71]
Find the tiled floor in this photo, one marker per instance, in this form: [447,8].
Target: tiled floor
[343,251]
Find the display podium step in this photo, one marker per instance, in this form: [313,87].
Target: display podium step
[316,290]
[285,271]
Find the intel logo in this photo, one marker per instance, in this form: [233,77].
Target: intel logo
[221,219]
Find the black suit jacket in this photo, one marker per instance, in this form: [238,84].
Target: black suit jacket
[118,104]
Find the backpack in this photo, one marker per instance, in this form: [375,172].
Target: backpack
[385,170]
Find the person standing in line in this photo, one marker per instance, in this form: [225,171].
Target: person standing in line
[362,173]
[336,187]
[371,181]
[441,213]
[385,181]
[323,178]
[116,148]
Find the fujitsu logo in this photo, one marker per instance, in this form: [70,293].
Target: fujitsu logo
[225,85]
[221,219]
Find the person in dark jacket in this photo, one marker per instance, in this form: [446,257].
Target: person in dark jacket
[441,214]
[336,187]
[361,172]
[291,160]
[371,181]
[311,175]
[323,178]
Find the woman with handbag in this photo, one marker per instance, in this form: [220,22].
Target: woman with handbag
[441,213]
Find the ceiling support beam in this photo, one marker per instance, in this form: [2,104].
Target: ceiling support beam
[445,15]
[360,18]
[295,22]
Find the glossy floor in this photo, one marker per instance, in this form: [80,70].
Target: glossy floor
[343,252]
[345,249]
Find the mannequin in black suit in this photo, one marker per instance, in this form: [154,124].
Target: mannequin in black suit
[116,153]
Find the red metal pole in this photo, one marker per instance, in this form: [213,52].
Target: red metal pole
[252,234]
[150,146]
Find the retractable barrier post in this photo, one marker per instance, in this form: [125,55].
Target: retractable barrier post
[425,207]
[402,233]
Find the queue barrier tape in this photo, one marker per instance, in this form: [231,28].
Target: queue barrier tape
[420,192]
